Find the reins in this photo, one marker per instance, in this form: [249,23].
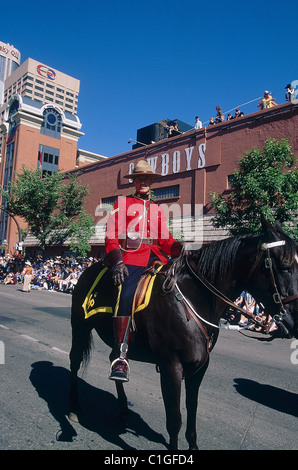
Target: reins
[170,284]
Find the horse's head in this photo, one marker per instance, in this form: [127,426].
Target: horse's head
[272,277]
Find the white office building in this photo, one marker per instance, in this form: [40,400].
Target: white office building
[10,59]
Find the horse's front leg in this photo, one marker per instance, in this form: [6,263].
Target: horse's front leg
[192,385]
[170,379]
[80,342]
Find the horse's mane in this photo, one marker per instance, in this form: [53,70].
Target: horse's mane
[217,258]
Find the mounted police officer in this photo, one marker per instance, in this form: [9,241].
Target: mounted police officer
[136,235]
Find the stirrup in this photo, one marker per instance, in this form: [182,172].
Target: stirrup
[119,370]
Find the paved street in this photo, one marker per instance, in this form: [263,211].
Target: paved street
[248,399]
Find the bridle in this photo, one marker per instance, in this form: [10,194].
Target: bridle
[171,283]
[277,298]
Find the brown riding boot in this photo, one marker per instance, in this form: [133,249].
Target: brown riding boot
[120,367]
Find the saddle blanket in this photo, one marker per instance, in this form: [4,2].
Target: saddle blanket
[101,299]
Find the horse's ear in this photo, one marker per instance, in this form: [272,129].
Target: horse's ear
[277,226]
[266,225]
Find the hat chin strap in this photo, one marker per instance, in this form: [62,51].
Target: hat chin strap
[142,196]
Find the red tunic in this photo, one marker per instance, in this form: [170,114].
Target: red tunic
[133,217]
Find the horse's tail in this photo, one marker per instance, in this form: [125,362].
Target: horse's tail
[87,344]
[82,340]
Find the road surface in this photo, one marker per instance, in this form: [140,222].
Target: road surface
[248,399]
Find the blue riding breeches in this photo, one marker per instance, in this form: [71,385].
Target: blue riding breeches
[129,287]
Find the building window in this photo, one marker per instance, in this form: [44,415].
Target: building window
[6,181]
[48,160]
[230,181]
[51,124]
[108,202]
[166,193]
[11,115]
[8,165]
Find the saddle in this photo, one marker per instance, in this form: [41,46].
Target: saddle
[101,300]
[144,287]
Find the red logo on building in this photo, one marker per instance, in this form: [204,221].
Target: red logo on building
[46,72]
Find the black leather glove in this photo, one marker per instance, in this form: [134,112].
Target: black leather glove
[115,263]
[119,273]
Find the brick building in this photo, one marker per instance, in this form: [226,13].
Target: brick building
[192,164]
[39,126]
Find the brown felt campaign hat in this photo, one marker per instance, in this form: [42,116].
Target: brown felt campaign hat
[142,168]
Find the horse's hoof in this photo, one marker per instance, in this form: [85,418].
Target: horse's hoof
[73,417]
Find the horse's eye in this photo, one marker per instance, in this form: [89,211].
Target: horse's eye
[286,269]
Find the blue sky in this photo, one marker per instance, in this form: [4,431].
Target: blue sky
[140,62]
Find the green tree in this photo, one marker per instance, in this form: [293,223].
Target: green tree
[53,208]
[265,182]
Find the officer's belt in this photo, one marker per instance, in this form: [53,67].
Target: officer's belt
[149,241]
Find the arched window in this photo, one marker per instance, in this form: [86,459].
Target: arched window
[51,124]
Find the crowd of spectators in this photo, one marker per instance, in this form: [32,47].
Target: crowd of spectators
[54,274]
[267,101]
[248,303]
[62,273]
[220,116]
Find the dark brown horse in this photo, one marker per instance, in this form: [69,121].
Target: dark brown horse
[179,327]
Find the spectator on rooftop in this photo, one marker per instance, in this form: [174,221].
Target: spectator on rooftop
[267,101]
[219,116]
[290,94]
[198,123]
[238,113]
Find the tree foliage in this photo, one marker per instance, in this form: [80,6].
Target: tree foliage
[53,208]
[265,182]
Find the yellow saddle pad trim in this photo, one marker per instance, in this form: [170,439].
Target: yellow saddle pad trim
[145,303]
[89,299]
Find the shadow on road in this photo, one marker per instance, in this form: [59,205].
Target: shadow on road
[273,397]
[99,409]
